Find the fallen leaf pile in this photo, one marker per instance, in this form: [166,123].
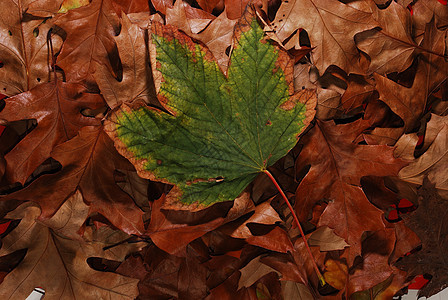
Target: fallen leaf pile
[136,133]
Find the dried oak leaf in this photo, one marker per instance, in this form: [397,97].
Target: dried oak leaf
[331,26]
[57,263]
[136,82]
[337,165]
[424,11]
[253,271]
[165,276]
[90,38]
[432,70]
[56,106]
[433,162]
[217,35]
[88,164]
[428,221]
[163,231]
[222,130]
[24,51]
[187,18]
[325,238]
[372,267]
[295,290]
[208,5]
[391,47]
[131,6]
[264,214]
[72,4]
[384,290]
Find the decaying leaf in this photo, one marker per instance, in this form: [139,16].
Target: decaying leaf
[253,271]
[428,222]
[56,106]
[219,135]
[331,26]
[57,263]
[87,161]
[432,70]
[430,164]
[391,48]
[135,83]
[337,165]
[326,239]
[25,57]
[336,273]
[90,38]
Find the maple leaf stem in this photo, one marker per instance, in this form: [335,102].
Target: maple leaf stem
[296,220]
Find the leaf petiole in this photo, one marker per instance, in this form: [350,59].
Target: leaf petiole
[296,220]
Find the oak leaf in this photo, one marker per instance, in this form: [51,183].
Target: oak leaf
[215,33]
[90,38]
[331,26]
[432,163]
[429,223]
[295,290]
[57,263]
[337,165]
[163,231]
[253,271]
[213,144]
[326,239]
[136,82]
[264,214]
[88,164]
[25,56]
[432,70]
[391,47]
[424,11]
[56,106]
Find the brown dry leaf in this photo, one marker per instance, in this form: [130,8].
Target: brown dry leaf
[336,273]
[410,103]
[208,5]
[358,91]
[235,8]
[57,263]
[372,267]
[331,26]
[216,34]
[46,8]
[162,5]
[276,240]
[165,276]
[295,290]
[424,11]
[337,165]
[264,214]
[75,211]
[433,162]
[163,231]
[428,221]
[385,290]
[88,163]
[25,57]
[325,238]
[56,106]
[90,38]
[188,19]
[136,82]
[131,6]
[253,271]
[72,4]
[391,48]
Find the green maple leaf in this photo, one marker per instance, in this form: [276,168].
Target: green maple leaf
[221,130]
